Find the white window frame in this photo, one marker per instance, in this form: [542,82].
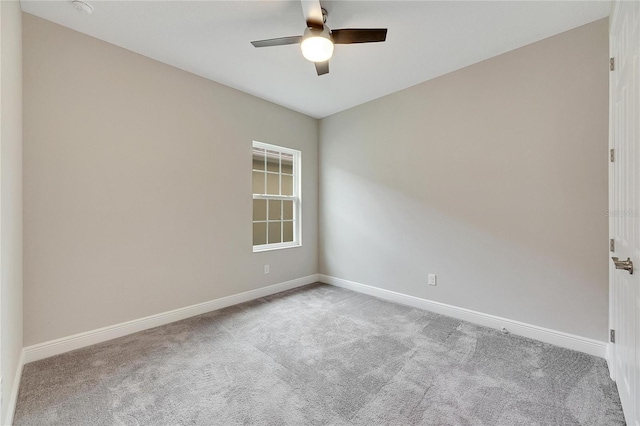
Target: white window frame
[296,198]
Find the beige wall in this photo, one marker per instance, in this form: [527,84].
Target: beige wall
[494,177]
[137,185]
[10,195]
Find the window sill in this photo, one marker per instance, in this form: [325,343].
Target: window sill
[259,249]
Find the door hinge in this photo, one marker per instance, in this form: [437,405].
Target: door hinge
[612,64]
[612,245]
[612,336]
[612,155]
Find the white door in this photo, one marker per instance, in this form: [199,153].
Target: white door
[624,203]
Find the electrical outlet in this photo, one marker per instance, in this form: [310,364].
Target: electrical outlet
[266,269]
[432,279]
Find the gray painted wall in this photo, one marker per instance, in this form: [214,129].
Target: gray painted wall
[493,177]
[137,186]
[10,196]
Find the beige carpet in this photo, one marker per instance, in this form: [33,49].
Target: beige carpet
[319,355]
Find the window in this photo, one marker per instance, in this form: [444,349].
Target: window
[276,197]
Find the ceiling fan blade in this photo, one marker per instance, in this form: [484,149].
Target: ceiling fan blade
[359,35]
[312,12]
[322,67]
[277,41]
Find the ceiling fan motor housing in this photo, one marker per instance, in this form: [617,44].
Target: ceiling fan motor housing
[317,32]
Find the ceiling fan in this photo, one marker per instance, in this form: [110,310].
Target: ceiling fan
[318,40]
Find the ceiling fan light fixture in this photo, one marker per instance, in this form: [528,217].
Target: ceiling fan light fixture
[317,42]
[317,46]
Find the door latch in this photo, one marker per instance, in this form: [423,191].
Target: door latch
[627,265]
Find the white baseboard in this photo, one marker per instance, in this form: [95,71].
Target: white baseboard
[558,338]
[77,341]
[13,397]
[609,358]
[81,340]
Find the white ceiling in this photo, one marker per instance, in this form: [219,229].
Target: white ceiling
[425,39]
